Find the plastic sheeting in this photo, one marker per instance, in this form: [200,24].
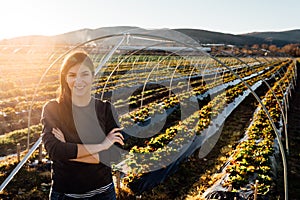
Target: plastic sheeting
[151,179]
[217,191]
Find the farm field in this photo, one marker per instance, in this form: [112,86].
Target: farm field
[201,126]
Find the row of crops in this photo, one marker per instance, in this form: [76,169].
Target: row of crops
[184,136]
[173,106]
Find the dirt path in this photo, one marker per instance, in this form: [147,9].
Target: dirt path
[294,144]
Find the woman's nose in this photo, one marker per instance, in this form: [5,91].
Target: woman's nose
[78,79]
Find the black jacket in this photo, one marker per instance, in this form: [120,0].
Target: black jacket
[76,177]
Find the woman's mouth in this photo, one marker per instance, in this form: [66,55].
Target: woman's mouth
[79,87]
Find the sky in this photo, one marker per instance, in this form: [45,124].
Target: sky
[53,17]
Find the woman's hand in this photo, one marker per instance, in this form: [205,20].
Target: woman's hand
[114,135]
[58,134]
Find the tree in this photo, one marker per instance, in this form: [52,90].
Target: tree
[291,49]
[273,48]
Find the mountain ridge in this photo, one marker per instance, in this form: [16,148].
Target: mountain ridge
[279,38]
[205,36]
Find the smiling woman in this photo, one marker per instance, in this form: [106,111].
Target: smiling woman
[79,133]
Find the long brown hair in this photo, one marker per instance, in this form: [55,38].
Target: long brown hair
[64,96]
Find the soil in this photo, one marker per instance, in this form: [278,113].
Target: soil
[293,159]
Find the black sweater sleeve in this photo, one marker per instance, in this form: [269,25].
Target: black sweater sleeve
[57,150]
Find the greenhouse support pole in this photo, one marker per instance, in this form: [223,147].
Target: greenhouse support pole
[148,77]
[20,164]
[109,55]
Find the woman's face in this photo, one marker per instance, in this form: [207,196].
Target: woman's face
[80,79]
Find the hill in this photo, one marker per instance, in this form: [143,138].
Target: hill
[292,36]
[202,36]
[209,37]
[82,35]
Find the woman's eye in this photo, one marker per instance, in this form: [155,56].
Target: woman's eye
[86,74]
[71,76]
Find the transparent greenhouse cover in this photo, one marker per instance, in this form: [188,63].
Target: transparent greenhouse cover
[129,62]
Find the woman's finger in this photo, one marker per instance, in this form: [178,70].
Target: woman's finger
[116,130]
[115,137]
[120,141]
[118,134]
[58,134]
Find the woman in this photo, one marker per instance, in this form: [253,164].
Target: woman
[79,133]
